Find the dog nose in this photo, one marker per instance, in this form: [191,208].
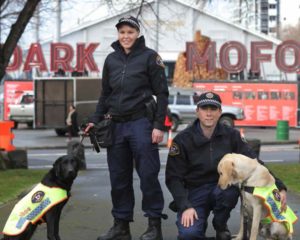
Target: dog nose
[71,173]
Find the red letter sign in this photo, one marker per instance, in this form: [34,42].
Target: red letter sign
[241,57]
[193,57]
[58,61]
[257,57]
[84,56]
[280,56]
[35,58]
[16,63]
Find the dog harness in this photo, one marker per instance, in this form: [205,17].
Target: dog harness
[32,207]
[271,197]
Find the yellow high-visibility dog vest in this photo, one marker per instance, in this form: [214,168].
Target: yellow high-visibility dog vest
[271,197]
[32,207]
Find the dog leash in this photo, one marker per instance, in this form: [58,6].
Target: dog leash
[82,136]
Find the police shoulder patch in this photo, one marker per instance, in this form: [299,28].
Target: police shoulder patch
[174,149]
[276,194]
[159,61]
[37,197]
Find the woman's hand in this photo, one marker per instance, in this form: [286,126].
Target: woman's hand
[188,217]
[157,136]
[88,127]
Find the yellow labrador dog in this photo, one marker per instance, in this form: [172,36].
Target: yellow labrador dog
[259,196]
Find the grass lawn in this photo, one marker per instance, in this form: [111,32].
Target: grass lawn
[288,173]
[13,182]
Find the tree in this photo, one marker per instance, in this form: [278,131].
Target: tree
[290,32]
[16,31]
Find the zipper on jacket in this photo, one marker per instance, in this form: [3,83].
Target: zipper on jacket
[122,81]
[211,153]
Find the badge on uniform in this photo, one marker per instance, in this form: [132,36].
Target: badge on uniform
[159,61]
[37,197]
[174,149]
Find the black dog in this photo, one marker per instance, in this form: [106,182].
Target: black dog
[46,202]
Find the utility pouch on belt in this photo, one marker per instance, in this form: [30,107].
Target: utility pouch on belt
[101,135]
[151,109]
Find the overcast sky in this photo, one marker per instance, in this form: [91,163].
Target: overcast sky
[87,10]
[290,11]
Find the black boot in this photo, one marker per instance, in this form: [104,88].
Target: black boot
[119,231]
[153,231]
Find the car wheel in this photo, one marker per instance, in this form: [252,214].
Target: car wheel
[227,120]
[60,132]
[175,123]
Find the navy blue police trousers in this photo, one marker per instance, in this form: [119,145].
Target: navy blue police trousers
[133,143]
[207,198]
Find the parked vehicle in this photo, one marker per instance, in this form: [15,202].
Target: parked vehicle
[183,109]
[23,111]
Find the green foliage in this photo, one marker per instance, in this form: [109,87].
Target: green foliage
[288,173]
[13,182]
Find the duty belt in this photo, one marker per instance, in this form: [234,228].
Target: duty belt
[129,117]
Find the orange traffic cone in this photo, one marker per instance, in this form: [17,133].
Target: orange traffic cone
[169,142]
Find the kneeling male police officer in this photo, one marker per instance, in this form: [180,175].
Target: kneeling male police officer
[192,176]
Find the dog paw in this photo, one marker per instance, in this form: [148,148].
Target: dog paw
[238,237]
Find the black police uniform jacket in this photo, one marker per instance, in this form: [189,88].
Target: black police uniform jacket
[130,80]
[193,159]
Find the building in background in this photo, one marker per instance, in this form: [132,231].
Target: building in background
[167,26]
[259,15]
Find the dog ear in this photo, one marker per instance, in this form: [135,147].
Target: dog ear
[56,165]
[234,173]
[77,160]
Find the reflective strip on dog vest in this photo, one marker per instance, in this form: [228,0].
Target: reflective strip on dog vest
[271,198]
[32,207]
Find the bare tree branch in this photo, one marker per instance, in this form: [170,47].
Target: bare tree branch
[9,14]
[15,34]
[1,3]
[140,9]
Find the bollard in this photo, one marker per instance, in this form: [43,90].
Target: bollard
[17,159]
[282,130]
[6,136]
[255,144]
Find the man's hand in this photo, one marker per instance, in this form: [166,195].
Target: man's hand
[283,200]
[88,127]
[188,217]
[157,136]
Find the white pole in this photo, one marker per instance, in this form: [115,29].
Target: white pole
[58,20]
[157,26]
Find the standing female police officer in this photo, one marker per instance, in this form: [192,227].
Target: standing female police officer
[132,74]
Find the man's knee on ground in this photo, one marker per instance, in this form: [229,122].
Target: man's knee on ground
[190,233]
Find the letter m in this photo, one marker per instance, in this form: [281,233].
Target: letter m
[193,56]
